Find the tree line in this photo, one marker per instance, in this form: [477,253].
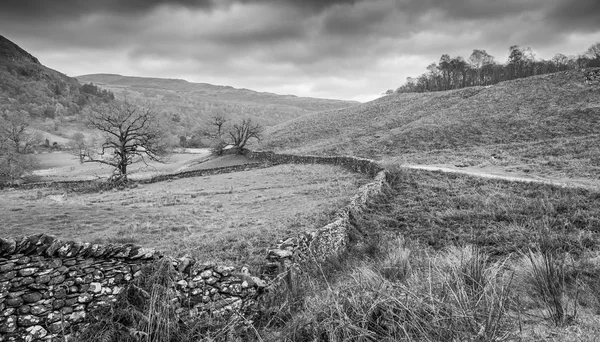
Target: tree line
[481,69]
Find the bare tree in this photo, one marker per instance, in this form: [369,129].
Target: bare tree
[219,120]
[244,131]
[16,140]
[14,128]
[80,145]
[131,134]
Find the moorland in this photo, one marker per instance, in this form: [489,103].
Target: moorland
[438,257]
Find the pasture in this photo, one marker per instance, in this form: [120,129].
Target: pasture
[228,218]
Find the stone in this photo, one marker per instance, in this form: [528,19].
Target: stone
[5,286]
[8,275]
[7,246]
[32,297]
[95,287]
[14,302]
[58,327]
[23,260]
[78,317]
[24,309]
[57,280]
[27,271]
[39,309]
[7,312]
[54,316]
[85,298]
[35,332]
[58,303]
[9,325]
[60,293]
[7,267]
[28,320]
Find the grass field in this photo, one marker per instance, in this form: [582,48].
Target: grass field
[59,166]
[229,218]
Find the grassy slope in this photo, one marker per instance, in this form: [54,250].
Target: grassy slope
[196,99]
[415,278]
[537,120]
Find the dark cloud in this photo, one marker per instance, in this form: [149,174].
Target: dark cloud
[580,15]
[44,10]
[330,48]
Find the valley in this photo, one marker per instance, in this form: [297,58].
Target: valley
[464,214]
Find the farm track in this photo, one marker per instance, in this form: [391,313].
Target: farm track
[498,173]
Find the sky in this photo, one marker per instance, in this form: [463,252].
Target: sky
[343,49]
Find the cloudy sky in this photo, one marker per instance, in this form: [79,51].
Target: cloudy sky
[346,49]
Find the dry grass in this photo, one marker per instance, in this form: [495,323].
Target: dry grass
[473,260]
[547,123]
[228,218]
[63,166]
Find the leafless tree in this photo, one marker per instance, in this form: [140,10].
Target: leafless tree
[16,140]
[131,134]
[244,131]
[14,128]
[219,120]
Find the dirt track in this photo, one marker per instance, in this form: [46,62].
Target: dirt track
[499,173]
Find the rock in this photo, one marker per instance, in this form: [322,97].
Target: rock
[7,267]
[57,304]
[78,317]
[32,297]
[7,246]
[95,287]
[35,332]
[28,320]
[14,302]
[9,325]
[85,298]
[39,309]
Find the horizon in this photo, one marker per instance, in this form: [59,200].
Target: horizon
[335,49]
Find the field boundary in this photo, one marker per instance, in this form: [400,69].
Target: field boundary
[47,284]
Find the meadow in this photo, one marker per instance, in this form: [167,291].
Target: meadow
[227,218]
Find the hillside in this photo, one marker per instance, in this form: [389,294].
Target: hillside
[190,103]
[27,85]
[550,121]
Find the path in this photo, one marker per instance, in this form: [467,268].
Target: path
[499,173]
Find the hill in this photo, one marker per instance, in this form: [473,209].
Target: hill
[189,103]
[549,121]
[27,85]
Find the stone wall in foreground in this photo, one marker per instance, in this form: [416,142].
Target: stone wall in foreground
[48,286]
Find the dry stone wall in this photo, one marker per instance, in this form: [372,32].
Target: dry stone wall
[317,245]
[48,286]
[355,164]
[592,76]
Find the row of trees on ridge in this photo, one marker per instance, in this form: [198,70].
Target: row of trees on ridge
[481,69]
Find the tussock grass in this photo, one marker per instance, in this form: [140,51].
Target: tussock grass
[449,257]
[542,124]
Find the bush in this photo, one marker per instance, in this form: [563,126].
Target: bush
[217,146]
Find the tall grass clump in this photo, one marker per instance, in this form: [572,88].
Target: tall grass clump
[145,311]
[549,275]
[410,296]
